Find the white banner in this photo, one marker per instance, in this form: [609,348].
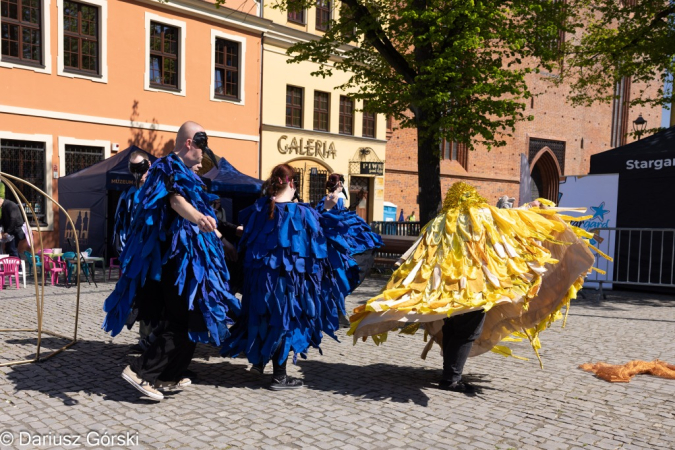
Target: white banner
[599,194]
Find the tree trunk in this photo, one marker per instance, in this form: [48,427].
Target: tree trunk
[428,166]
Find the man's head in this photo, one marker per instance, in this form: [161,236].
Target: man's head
[139,164]
[186,148]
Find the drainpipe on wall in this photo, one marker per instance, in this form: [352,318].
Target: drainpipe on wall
[260,114]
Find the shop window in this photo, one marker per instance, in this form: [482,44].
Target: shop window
[26,160]
[293,106]
[80,157]
[321,111]
[227,69]
[22,31]
[317,185]
[346,123]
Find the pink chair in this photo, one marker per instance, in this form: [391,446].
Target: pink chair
[54,268]
[10,266]
[111,266]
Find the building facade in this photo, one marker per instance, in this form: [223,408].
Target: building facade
[311,125]
[80,80]
[558,142]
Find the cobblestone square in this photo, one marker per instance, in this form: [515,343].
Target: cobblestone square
[357,397]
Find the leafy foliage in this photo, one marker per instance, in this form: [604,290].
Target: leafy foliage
[622,38]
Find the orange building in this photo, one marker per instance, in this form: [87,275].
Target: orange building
[80,80]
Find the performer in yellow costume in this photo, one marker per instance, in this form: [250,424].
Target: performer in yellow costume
[521,266]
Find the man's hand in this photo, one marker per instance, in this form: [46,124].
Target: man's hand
[5,235]
[240,230]
[230,252]
[206,224]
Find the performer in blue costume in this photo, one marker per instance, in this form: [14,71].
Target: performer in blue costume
[139,164]
[285,306]
[172,239]
[360,239]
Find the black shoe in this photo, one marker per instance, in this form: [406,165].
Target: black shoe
[257,369]
[136,350]
[457,386]
[286,382]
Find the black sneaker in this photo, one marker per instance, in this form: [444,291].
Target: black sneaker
[136,350]
[457,386]
[286,382]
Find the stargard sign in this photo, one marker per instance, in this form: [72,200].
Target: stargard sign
[310,147]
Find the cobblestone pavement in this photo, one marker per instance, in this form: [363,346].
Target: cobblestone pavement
[356,397]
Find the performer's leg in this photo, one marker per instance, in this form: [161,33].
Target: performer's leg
[459,332]
[169,355]
[280,380]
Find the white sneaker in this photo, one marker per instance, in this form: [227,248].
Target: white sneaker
[143,386]
[159,384]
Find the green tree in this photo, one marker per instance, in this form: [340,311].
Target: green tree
[622,38]
[458,66]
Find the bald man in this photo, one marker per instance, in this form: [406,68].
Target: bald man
[173,240]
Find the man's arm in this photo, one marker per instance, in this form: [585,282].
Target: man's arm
[189,212]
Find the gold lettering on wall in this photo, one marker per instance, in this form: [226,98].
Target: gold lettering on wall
[310,147]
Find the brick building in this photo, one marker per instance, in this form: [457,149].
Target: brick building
[558,142]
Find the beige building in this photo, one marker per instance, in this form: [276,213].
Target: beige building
[311,125]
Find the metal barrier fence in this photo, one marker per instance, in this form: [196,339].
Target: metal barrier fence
[642,256]
[397,228]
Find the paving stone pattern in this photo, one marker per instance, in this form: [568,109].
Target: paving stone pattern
[357,397]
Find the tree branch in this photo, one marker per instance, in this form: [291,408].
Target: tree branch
[376,37]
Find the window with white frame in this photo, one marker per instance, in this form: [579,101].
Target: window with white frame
[165,54]
[27,160]
[24,35]
[228,56]
[82,34]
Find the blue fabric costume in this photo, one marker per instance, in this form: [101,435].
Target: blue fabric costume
[125,207]
[358,235]
[295,283]
[157,236]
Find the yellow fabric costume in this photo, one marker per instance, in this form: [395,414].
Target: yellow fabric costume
[522,266]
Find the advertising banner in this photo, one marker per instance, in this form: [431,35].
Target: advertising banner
[599,194]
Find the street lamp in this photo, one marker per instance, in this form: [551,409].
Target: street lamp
[639,126]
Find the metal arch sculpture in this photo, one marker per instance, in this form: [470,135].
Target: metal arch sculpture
[39,294]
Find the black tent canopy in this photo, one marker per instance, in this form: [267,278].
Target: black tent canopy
[90,196]
[85,195]
[646,171]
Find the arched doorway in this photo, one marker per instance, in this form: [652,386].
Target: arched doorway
[545,173]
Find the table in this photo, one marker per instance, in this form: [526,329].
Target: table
[23,269]
[92,260]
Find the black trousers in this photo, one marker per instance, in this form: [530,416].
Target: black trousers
[459,332]
[170,354]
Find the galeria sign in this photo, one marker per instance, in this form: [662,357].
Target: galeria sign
[310,147]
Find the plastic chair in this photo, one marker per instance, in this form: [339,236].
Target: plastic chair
[70,265]
[54,268]
[29,261]
[112,265]
[10,266]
